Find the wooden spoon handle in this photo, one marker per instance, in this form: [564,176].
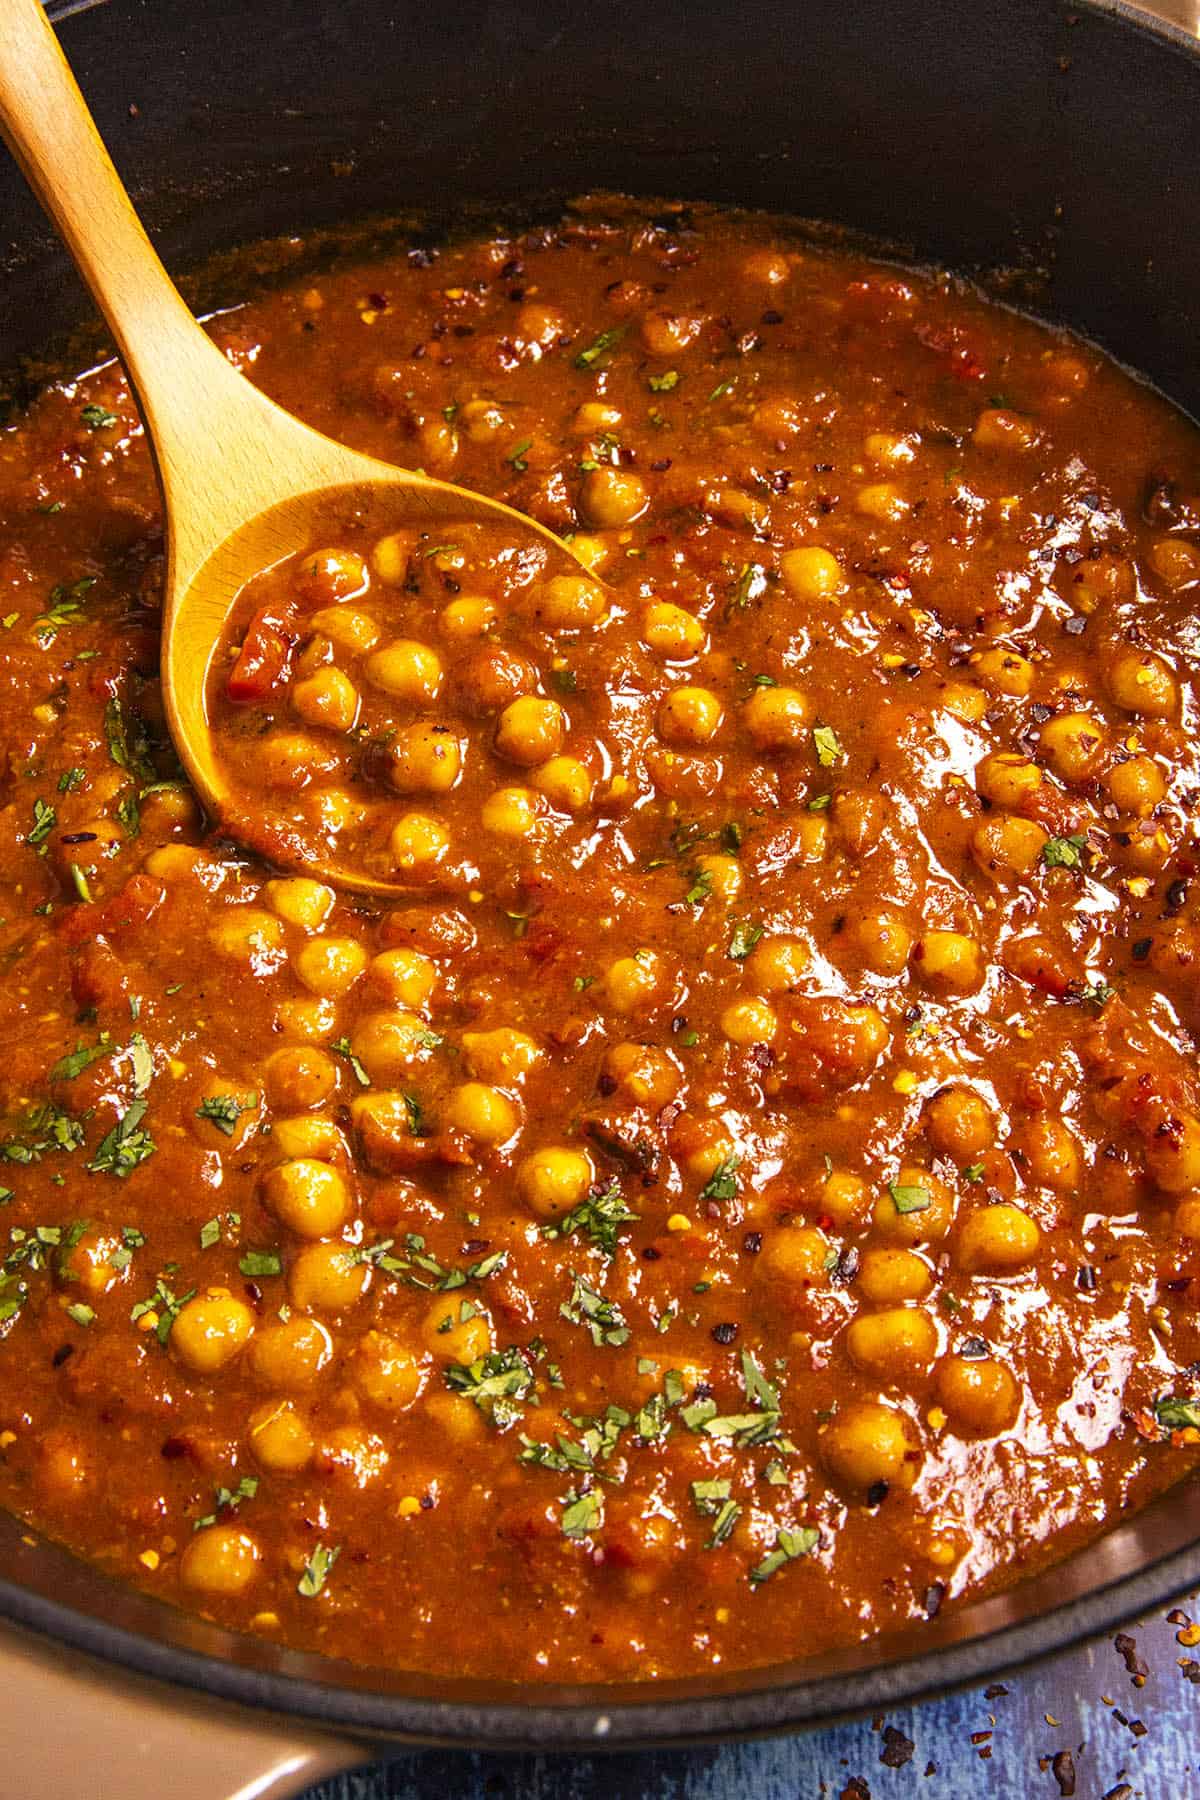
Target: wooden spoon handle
[195,404]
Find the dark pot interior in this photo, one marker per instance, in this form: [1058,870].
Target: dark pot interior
[1051,148]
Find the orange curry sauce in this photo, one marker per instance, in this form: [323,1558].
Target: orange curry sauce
[749,1196]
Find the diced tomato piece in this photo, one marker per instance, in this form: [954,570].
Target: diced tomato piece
[264,655]
[130,907]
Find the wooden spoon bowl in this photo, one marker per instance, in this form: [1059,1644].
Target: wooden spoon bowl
[244,483]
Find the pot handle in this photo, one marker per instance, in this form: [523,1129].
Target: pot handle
[71,1722]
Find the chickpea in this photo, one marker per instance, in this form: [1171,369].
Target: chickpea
[811,837]
[594,417]
[777,718]
[330,966]
[417,844]
[566,783]
[894,1345]
[812,573]
[300,1078]
[997,428]
[530,730]
[979,1394]
[503,1055]
[289,759]
[388,1044]
[211,1330]
[438,443]
[749,1021]
[1137,786]
[347,629]
[336,810]
[327,1276]
[866,1444]
[456,1331]
[612,497]
[404,976]
[512,812]
[407,670]
[646,1075]
[280,1438]
[308,1136]
[383,1122]
[689,715]
[540,324]
[667,334]
[1073,745]
[308,1196]
[792,1263]
[1173,1154]
[291,1355]
[1052,1158]
[392,555]
[882,501]
[328,698]
[890,448]
[89,1266]
[219,1560]
[385,1372]
[457,1418]
[671,632]
[724,876]
[997,1240]
[1004,671]
[312,1019]
[480,420]
[482,1112]
[425,758]
[911,1223]
[964,701]
[778,420]
[568,603]
[777,964]
[634,983]
[323,577]
[1007,779]
[1007,846]
[889,1276]
[470,616]
[1176,561]
[959,1123]
[591,551]
[554,1180]
[768,268]
[1143,684]
[299,901]
[843,1198]
[948,959]
[246,935]
[883,941]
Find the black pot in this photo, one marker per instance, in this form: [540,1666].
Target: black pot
[1053,147]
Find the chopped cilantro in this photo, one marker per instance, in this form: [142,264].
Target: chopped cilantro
[908,1197]
[582,1513]
[316,1570]
[126,1145]
[598,1216]
[1064,852]
[700,889]
[973,1172]
[97,418]
[827,745]
[663,384]
[164,1305]
[750,584]
[711,1500]
[80,1313]
[224,1110]
[228,1500]
[789,1545]
[497,1383]
[516,456]
[745,935]
[1174,1414]
[602,1317]
[81,1058]
[341,1047]
[722,1183]
[261,1262]
[599,347]
[44,820]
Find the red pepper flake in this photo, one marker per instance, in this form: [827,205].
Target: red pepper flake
[1062,1767]
[1136,1665]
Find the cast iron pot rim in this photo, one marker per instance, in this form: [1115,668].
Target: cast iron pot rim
[659,1720]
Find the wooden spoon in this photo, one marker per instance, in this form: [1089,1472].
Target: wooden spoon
[243,482]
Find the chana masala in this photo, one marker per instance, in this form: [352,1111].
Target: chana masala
[746,1195]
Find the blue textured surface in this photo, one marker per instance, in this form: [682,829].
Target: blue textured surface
[1129,1736]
